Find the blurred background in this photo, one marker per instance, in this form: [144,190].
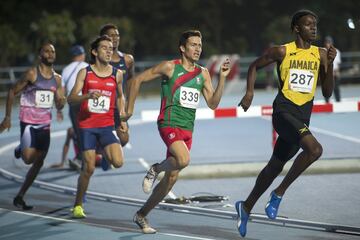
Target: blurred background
[150,30]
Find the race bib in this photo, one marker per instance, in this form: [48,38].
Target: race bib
[301,80]
[189,97]
[100,105]
[44,99]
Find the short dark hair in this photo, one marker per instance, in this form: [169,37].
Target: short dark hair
[189,33]
[106,27]
[43,44]
[299,14]
[95,44]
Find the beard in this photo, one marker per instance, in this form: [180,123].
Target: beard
[46,62]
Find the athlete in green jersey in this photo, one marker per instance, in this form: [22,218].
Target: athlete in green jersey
[183,81]
[299,65]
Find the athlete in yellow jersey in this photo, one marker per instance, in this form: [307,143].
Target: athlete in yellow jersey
[299,66]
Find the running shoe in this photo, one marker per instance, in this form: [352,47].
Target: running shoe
[143,223]
[75,164]
[104,164]
[272,206]
[149,179]
[242,219]
[17,152]
[78,212]
[20,203]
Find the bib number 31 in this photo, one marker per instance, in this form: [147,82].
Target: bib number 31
[44,99]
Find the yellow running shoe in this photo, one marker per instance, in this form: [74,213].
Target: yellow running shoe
[78,212]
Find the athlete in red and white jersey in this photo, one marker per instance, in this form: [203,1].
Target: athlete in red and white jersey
[99,112]
[98,83]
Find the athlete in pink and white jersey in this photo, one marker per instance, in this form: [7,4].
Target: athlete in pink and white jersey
[40,87]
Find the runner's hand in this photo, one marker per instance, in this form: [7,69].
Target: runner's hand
[331,54]
[94,95]
[5,124]
[225,68]
[59,116]
[123,127]
[125,117]
[246,101]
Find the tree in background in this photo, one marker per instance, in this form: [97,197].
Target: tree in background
[57,28]
[12,45]
[90,26]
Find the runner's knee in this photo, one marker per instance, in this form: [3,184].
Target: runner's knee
[275,165]
[315,152]
[183,160]
[118,163]
[88,170]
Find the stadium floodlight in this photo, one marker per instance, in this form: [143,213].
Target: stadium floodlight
[350,23]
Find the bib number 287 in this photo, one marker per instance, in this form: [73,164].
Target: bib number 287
[301,80]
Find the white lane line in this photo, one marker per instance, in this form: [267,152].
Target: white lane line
[9,146]
[97,224]
[147,166]
[334,134]
[185,236]
[144,163]
[326,132]
[40,216]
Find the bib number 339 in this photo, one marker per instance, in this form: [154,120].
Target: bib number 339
[301,80]
[189,97]
[100,105]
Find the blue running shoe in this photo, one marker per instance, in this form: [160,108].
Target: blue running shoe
[243,218]
[272,206]
[104,164]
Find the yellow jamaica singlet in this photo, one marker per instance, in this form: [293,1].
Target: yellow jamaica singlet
[299,72]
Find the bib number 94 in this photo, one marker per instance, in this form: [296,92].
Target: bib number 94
[100,105]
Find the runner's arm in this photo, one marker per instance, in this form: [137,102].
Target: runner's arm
[120,96]
[130,64]
[273,54]
[79,83]
[165,68]
[28,77]
[60,98]
[212,97]
[326,70]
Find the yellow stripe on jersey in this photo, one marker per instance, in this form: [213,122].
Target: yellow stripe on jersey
[299,72]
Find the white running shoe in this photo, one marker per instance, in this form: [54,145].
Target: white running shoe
[143,224]
[149,179]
